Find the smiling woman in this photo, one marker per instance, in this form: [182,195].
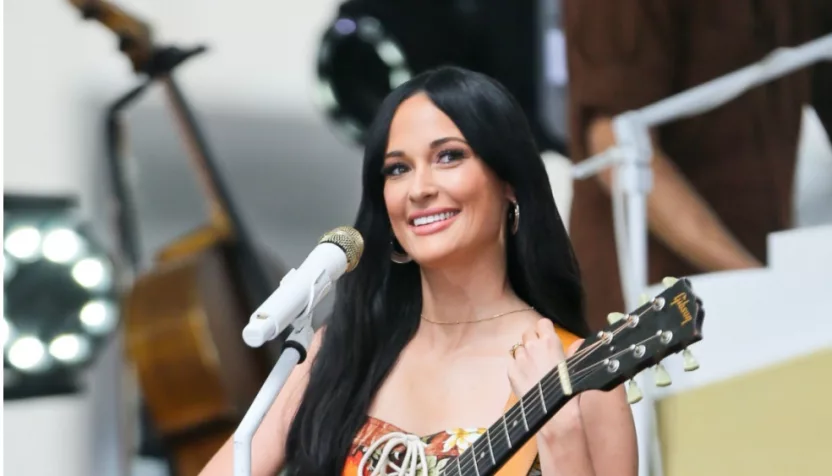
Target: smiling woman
[441,198]
[457,307]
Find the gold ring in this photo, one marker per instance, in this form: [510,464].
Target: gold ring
[514,349]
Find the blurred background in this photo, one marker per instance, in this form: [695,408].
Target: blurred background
[125,277]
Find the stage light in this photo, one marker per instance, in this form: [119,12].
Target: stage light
[26,353]
[99,317]
[60,296]
[23,243]
[372,46]
[61,245]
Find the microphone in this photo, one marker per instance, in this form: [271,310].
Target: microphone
[301,289]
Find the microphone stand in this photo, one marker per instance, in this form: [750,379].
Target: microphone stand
[294,351]
[633,180]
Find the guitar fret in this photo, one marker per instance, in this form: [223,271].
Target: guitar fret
[490,447]
[523,412]
[505,427]
[557,387]
[542,398]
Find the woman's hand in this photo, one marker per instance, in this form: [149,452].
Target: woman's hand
[540,352]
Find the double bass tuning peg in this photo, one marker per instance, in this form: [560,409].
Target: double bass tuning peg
[669,281]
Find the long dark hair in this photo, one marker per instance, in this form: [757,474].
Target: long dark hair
[377,305]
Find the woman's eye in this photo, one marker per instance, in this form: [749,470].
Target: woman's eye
[393,170]
[451,155]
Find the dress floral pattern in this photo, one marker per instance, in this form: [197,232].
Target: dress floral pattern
[441,447]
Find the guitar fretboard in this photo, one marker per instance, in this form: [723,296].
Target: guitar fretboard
[513,430]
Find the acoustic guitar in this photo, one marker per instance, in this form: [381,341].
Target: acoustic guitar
[184,317]
[667,324]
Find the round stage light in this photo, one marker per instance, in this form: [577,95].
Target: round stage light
[61,245]
[90,273]
[373,46]
[60,296]
[71,348]
[27,354]
[23,243]
[359,63]
[98,317]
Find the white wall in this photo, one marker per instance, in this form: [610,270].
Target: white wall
[258,58]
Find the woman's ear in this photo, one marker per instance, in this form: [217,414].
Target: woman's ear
[509,193]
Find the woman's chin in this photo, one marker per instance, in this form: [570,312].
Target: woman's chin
[436,258]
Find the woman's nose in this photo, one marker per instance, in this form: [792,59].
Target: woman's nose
[423,185]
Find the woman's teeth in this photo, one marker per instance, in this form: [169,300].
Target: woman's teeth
[433,218]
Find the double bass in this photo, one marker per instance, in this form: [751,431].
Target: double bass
[184,317]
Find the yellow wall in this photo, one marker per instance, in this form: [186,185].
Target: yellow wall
[773,422]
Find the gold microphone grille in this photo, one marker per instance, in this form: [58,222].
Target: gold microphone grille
[348,239]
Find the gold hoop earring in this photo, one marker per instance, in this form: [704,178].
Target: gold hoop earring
[398,257]
[514,216]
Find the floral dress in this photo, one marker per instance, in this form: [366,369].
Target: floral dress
[440,448]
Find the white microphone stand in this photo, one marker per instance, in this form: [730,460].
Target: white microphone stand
[633,182]
[299,339]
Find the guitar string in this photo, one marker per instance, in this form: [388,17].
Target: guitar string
[468,464]
[472,461]
[549,383]
[583,353]
[579,376]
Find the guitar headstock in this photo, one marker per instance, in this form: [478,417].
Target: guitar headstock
[667,324]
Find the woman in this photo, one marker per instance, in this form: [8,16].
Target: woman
[422,339]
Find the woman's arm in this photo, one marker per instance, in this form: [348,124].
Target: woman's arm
[562,445]
[269,441]
[592,435]
[610,432]
[677,214]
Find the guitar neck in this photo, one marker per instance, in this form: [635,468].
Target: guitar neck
[520,423]
[669,323]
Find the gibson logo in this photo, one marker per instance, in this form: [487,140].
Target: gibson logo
[681,303]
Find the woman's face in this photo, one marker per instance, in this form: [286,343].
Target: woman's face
[444,203]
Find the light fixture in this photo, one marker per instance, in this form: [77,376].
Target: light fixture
[372,46]
[60,296]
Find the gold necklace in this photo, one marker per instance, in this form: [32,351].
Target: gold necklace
[477,320]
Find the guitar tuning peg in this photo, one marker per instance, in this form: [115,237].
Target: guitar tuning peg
[643,299]
[669,281]
[690,361]
[614,317]
[634,394]
[661,376]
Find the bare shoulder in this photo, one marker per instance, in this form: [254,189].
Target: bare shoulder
[270,439]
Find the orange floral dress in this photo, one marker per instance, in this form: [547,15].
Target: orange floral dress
[440,447]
